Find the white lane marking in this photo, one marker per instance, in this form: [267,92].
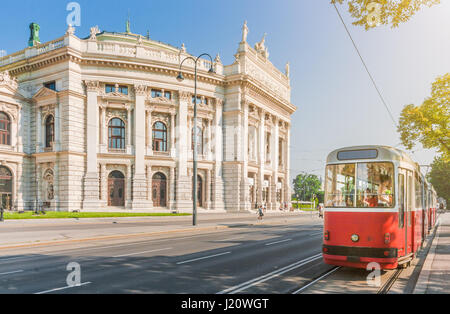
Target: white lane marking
[140,253]
[231,239]
[318,279]
[12,272]
[63,288]
[316,234]
[278,242]
[270,275]
[200,258]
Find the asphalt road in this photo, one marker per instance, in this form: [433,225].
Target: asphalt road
[269,258]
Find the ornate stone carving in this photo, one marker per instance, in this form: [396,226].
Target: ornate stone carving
[185,96]
[122,114]
[261,47]
[70,30]
[287,69]
[6,79]
[92,86]
[140,90]
[11,110]
[94,31]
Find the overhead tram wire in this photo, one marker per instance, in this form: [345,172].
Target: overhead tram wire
[365,66]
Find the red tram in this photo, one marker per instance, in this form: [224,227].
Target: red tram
[378,207]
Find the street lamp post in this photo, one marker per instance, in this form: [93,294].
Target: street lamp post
[180,78]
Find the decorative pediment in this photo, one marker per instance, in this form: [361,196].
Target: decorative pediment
[161,101]
[46,93]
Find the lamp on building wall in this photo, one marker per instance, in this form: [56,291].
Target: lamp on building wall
[180,78]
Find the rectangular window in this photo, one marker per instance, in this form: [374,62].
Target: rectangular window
[123,90]
[156,93]
[418,192]
[51,85]
[340,185]
[358,154]
[375,185]
[372,182]
[168,95]
[109,88]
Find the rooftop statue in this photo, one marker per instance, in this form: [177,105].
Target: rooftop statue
[244,32]
[34,35]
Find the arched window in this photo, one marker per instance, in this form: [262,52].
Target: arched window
[116,134]
[5,129]
[49,131]
[159,137]
[199,140]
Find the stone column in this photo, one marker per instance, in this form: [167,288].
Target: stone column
[149,133]
[184,182]
[208,190]
[38,130]
[128,182]
[129,132]
[104,190]
[104,129]
[244,202]
[208,143]
[57,146]
[139,179]
[262,154]
[172,187]
[172,135]
[275,141]
[91,182]
[218,198]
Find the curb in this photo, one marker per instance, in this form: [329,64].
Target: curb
[422,281]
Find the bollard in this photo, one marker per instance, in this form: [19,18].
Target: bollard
[1,214]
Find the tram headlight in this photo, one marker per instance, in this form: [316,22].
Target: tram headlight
[355,238]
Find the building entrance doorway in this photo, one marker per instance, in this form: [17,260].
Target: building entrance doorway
[116,189]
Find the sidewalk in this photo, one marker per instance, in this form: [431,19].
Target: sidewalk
[435,275]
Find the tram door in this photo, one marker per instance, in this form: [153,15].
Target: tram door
[402,223]
[405,186]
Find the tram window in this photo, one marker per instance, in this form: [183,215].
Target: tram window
[358,154]
[418,192]
[340,186]
[375,185]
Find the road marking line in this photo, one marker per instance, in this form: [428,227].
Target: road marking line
[63,288]
[12,272]
[270,275]
[139,253]
[231,239]
[318,279]
[278,242]
[205,257]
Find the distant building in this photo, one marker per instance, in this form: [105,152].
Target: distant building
[102,122]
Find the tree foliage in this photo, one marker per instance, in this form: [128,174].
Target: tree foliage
[384,12]
[439,176]
[429,122]
[305,185]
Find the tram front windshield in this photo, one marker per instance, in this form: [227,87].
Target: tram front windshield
[360,185]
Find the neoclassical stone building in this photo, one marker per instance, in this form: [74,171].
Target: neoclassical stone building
[102,122]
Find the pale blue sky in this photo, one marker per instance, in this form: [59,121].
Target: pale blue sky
[337,104]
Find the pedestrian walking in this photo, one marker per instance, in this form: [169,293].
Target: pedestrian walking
[260,213]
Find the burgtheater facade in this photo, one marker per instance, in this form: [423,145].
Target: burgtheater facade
[103,123]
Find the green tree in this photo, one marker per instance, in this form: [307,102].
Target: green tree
[429,123]
[439,176]
[372,13]
[305,185]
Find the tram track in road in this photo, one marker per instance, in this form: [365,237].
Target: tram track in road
[387,285]
[315,280]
